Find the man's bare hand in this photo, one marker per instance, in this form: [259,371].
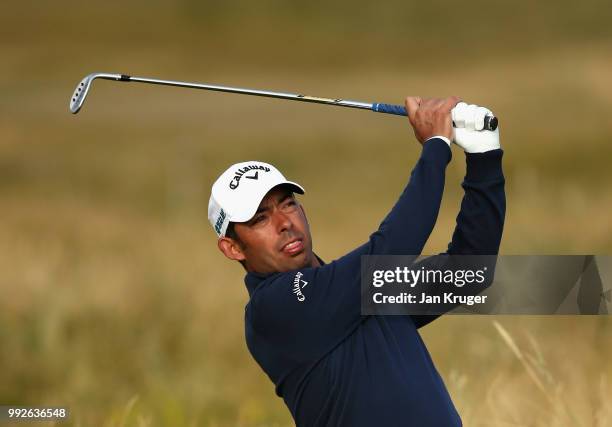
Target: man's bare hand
[431,117]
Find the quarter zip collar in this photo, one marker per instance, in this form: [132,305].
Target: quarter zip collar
[253,279]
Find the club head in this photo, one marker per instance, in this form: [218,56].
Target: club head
[78,97]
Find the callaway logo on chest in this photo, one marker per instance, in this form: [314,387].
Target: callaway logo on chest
[298,285]
[235,182]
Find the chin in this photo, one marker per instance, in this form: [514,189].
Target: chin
[304,259]
[296,262]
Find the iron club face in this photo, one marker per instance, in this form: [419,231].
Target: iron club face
[78,97]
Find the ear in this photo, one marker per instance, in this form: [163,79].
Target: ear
[230,248]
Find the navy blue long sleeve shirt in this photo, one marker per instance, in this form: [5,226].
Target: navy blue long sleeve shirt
[336,367]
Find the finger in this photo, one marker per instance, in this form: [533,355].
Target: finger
[470,116]
[412,105]
[450,102]
[458,114]
[479,118]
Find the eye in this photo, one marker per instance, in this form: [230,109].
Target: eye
[258,219]
[289,205]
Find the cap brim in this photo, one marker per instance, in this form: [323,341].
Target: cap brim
[251,210]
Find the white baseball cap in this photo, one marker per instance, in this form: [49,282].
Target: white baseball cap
[237,193]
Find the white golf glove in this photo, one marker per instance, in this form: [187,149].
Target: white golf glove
[468,131]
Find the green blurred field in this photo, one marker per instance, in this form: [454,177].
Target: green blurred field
[114,299]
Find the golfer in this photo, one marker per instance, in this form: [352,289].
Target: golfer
[332,365]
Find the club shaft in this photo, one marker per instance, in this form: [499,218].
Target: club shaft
[254,92]
[80,93]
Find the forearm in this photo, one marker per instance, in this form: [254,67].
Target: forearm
[407,227]
[480,221]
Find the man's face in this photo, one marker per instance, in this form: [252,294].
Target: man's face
[277,238]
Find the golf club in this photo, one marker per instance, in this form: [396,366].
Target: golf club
[78,98]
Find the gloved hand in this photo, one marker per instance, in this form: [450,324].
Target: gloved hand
[468,133]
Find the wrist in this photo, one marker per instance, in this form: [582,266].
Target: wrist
[443,138]
[484,166]
[436,151]
[473,141]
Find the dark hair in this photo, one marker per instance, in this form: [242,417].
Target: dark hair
[231,233]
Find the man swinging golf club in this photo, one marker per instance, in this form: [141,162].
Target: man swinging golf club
[332,365]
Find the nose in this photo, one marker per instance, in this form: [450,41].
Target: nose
[282,222]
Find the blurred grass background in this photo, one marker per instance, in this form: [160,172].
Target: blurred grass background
[115,301]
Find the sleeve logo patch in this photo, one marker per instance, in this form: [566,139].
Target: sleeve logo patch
[298,285]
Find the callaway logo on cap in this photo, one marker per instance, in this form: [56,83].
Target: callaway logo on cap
[237,193]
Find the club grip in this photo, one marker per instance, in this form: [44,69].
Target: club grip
[389,109]
[490,123]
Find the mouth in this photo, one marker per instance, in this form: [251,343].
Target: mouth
[293,247]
